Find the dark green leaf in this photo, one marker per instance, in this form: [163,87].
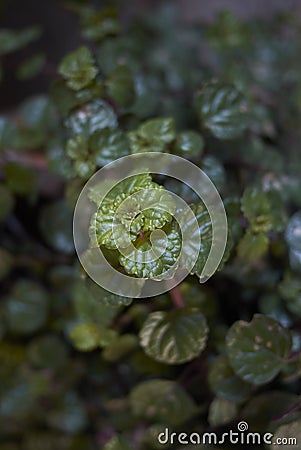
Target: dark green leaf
[258,350]
[12,40]
[252,246]
[152,136]
[223,110]
[174,337]
[221,411]
[120,86]
[162,401]
[99,25]
[86,336]
[92,117]
[78,68]
[189,144]
[108,145]
[120,347]
[225,384]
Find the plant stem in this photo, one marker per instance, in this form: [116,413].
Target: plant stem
[177,297]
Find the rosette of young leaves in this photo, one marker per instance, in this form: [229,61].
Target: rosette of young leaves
[145,262]
[134,205]
[223,110]
[153,135]
[258,350]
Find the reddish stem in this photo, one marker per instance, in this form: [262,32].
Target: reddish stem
[177,297]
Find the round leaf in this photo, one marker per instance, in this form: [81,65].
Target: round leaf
[225,384]
[78,68]
[162,401]
[223,110]
[258,350]
[174,337]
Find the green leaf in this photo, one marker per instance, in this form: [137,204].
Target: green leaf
[120,347]
[226,384]
[97,25]
[290,291]
[152,259]
[92,117]
[58,161]
[223,110]
[252,246]
[189,144]
[78,68]
[254,203]
[63,97]
[221,411]
[12,40]
[7,202]
[87,336]
[108,145]
[20,179]
[117,443]
[48,352]
[120,86]
[174,337]
[77,147]
[162,401]
[26,308]
[94,304]
[191,247]
[258,350]
[56,226]
[214,169]
[133,205]
[31,67]
[152,136]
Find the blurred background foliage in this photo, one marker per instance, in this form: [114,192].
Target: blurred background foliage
[80,368]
